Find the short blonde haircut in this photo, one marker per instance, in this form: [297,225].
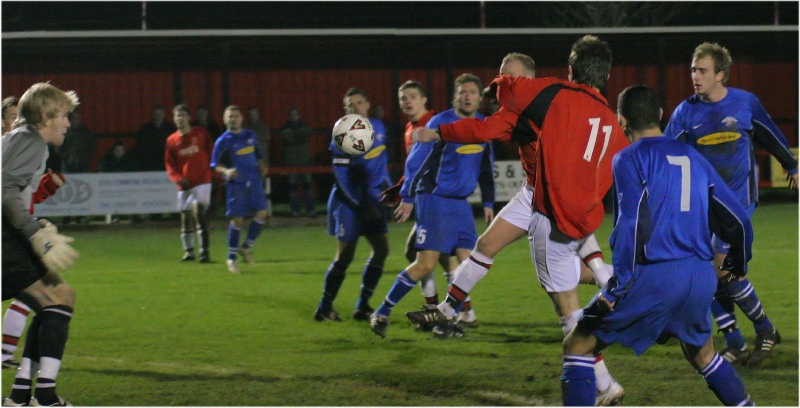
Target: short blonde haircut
[523,59]
[720,55]
[44,99]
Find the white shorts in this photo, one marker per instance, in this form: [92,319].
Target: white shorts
[518,211]
[200,194]
[557,264]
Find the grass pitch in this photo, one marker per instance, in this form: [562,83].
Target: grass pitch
[151,331]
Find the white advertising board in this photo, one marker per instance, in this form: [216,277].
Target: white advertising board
[112,193]
[508,179]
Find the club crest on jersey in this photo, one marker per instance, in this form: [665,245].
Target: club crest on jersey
[730,122]
[718,138]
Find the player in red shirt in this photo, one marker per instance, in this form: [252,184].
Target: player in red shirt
[568,136]
[187,158]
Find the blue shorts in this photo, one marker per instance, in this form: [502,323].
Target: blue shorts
[667,298]
[722,247]
[243,199]
[347,225]
[444,224]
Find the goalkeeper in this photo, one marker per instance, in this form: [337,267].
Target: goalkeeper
[33,250]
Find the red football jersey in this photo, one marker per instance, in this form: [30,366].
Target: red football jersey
[410,126]
[577,136]
[189,156]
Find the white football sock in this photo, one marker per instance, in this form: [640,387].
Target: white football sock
[469,273]
[13,325]
[427,284]
[602,376]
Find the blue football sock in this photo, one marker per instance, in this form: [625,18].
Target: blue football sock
[727,322]
[578,382]
[333,282]
[369,280]
[743,293]
[402,285]
[233,241]
[725,382]
[253,231]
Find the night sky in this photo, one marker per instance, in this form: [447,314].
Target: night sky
[32,16]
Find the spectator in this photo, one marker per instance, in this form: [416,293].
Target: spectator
[151,141]
[261,129]
[295,136]
[203,119]
[117,160]
[10,113]
[78,148]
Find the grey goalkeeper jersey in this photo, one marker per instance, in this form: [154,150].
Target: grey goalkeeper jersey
[24,157]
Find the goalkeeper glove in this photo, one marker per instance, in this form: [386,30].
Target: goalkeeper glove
[54,249]
[47,225]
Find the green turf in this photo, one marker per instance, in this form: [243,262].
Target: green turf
[149,330]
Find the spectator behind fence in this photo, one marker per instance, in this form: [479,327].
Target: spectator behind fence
[295,136]
[151,141]
[78,148]
[261,129]
[117,160]
[10,112]
[204,120]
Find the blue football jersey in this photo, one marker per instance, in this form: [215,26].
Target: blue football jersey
[365,176]
[241,151]
[723,132]
[669,200]
[449,169]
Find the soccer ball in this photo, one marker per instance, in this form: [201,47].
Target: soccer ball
[353,134]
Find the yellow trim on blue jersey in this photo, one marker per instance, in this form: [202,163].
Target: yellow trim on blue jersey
[470,149]
[718,138]
[375,152]
[245,150]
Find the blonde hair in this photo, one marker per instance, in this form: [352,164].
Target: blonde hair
[720,55]
[523,59]
[44,99]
